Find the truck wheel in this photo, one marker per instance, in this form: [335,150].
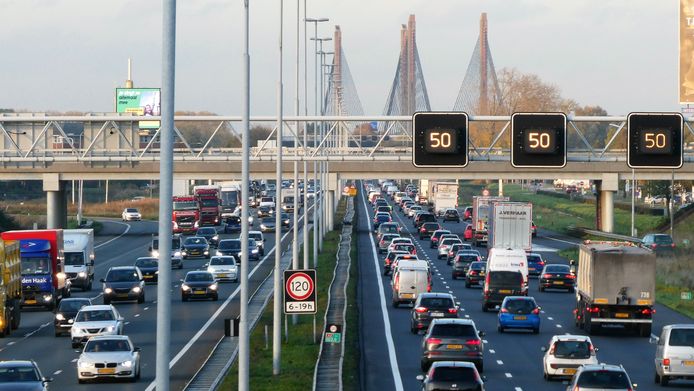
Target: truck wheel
[5,331]
[16,314]
[591,328]
[645,330]
[395,303]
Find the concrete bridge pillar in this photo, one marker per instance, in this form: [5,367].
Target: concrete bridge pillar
[56,201]
[604,202]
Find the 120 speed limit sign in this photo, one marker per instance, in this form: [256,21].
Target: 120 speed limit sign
[300,292]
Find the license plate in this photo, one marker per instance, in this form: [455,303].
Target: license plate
[122,295]
[558,282]
[568,371]
[437,314]
[621,315]
[520,317]
[407,295]
[504,291]
[106,371]
[223,275]
[146,276]
[199,292]
[688,363]
[481,273]
[31,301]
[456,347]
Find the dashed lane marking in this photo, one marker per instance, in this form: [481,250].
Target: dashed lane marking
[558,326]
[508,375]
[499,362]
[58,372]
[137,315]
[550,318]
[492,351]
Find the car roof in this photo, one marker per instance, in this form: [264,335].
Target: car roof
[255,232]
[601,367]
[436,294]
[680,326]
[442,230]
[571,337]
[75,299]
[97,307]
[109,337]
[453,321]
[198,272]
[16,363]
[122,267]
[461,364]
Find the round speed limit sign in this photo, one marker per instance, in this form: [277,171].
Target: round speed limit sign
[299,286]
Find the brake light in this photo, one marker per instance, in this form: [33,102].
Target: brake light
[666,361]
[672,245]
[551,350]
[654,245]
[592,350]
[536,311]
[423,229]
[433,341]
[452,310]
[648,311]
[473,342]
[546,275]
[504,310]
[594,310]
[571,276]
[473,272]
[421,309]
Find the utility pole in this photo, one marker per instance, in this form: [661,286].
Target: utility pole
[277,303]
[295,225]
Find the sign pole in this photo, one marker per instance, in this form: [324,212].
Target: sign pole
[277,305]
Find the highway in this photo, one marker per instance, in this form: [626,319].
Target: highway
[120,244]
[513,360]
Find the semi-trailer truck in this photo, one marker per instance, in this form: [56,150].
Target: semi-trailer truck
[481,210]
[186,214]
[208,199]
[510,225]
[11,288]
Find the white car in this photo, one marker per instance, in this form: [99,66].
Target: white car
[399,240]
[94,320]
[565,353]
[224,268]
[112,356]
[413,209]
[131,214]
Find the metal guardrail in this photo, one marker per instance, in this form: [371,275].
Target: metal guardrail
[607,235]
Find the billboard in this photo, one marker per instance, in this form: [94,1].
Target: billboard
[686,48]
[140,101]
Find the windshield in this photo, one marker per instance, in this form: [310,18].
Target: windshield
[505,278]
[466,258]
[437,302]
[175,243]
[147,262]
[572,349]
[255,235]
[229,244]
[267,199]
[195,240]
[454,374]
[230,198]
[95,316]
[199,277]
[131,210]
[185,205]
[122,275]
[610,380]
[222,261]
[534,258]
[682,337]
[18,374]
[558,269]
[519,306]
[209,202]
[663,239]
[453,330]
[478,265]
[207,231]
[74,259]
[35,266]
[107,345]
[72,305]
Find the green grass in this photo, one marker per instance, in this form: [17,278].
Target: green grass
[670,296]
[299,354]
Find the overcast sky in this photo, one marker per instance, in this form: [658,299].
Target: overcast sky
[72,54]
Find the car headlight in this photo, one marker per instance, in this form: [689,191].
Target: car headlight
[59,317]
[177,254]
[156,272]
[155,253]
[61,275]
[81,274]
[47,298]
[84,364]
[210,270]
[206,252]
[137,289]
[185,287]
[254,251]
[110,329]
[183,253]
[127,364]
[263,226]
[213,287]
[216,237]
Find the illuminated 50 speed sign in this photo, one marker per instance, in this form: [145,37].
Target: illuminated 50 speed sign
[300,292]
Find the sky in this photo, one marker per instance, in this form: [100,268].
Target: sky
[60,55]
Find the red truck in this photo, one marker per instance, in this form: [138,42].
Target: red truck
[44,282]
[208,197]
[186,214]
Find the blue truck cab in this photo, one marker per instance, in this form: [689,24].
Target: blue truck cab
[43,284]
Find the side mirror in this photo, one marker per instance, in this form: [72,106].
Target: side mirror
[137,349]
[149,249]
[120,319]
[46,379]
[420,377]
[91,263]
[484,378]
[481,333]
[543,348]
[539,308]
[205,265]
[102,280]
[181,280]
[654,340]
[595,349]
[635,385]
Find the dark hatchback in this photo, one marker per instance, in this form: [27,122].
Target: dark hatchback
[199,285]
[462,262]
[451,215]
[430,306]
[452,375]
[427,229]
[380,219]
[264,211]
[557,277]
[475,274]
[452,340]
[286,220]
[66,312]
[424,218]
[230,247]
[195,246]
[149,267]
[210,234]
[123,283]
[535,264]
[232,224]
[499,284]
[661,244]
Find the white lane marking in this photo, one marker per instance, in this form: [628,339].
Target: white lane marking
[127,229]
[517,389]
[221,308]
[74,360]
[558,326]
[146,308]
[543,249]
[11,343]
[492,351]
[508,375]
[126,323]
[58,372]
[485,341]
[499,362]
[394,368]
[550,318]
[542,311]
[467,316]
[96,297]
[559,240]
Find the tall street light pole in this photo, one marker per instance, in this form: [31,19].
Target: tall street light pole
[295,225]
[319,96]
[277,303]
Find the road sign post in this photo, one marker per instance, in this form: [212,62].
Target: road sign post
[333,333]
[440,139]
[538,140]
[300,291]
[655,140]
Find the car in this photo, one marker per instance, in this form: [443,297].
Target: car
[535,264]
[451,214]
[231,247]
[387,228]
[195,246]
[176,249]
[434,240]
[399,240]
[413,209]
[254,250]
[405,207]
[431,305]
[381,218]
[267,224]
[674,353]
[66,312]
[390,259]
[265,211]
[519,312]
[131,214]
[565,353]
[600,377]
[232,224]
[149,267]
[199,285]
[94,320]
[661,244]
[467,234]
[384,243]
[453,340]
[210,234]
[452,375]
[533,229]
[123,283]
[467,213]
[286,221]
[22,375]
[444,245]
[223,268]
[427,229]
[475,274]
[462,261]
[108,357]
[557,276]
[383,208]
[407,247]
[453,251]
[259,241]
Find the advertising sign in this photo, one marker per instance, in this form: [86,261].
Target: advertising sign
[140,101]
[686,47]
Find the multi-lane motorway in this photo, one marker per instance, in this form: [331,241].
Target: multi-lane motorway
[195,327]
[513,360]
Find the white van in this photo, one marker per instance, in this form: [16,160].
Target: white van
[408,283]
[508,260]
[400,263]
[674,354]
[391,190]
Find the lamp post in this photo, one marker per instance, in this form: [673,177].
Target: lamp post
[326,167]
[277,304]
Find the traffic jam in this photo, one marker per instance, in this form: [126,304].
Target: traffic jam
[469,293]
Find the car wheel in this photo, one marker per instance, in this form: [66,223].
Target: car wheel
[656,379]
[664,381]
[541,289]
[547,376]
[480,366]
[453,277]
[107,301]
[395,303]
[58,333]
[424,365]
[215,297]
[413,329]
[141,299]
[75,345]
[184,298]
[536,331]
[467,284]
[484,307]
[81,381]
